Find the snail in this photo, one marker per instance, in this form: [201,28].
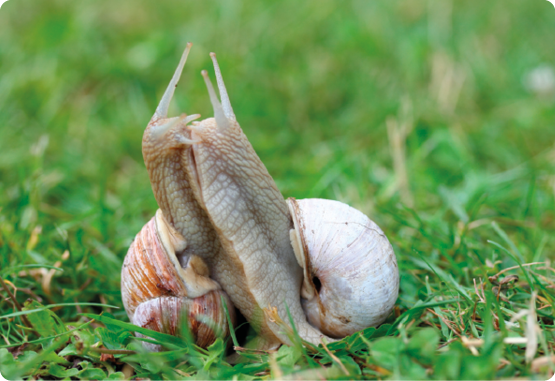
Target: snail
[180,237]
[254,225]
[265,253]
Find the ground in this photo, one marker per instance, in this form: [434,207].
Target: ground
[436,119]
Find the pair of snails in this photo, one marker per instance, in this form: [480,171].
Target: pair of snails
[225,234]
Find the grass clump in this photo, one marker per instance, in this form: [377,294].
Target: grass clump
[435,119]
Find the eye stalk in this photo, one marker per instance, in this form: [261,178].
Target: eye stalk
[226,104]
[221,119]
[164,105]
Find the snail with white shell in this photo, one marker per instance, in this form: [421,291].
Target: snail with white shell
[323,262]
[351,279]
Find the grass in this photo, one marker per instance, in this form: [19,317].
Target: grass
[424,115]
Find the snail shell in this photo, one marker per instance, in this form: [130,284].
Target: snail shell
[161,295]
[351,279]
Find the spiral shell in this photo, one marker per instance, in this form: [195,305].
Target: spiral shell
[351,278]
[161,295]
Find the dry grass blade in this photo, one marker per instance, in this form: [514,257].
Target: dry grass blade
[17,306]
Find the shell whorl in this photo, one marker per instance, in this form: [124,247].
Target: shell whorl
[159,294]
[351,274]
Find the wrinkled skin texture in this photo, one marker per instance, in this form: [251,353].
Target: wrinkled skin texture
[168,162]
[253,222]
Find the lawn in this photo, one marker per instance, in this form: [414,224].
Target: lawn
[435,118]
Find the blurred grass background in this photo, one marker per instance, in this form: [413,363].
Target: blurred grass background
[436,118]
